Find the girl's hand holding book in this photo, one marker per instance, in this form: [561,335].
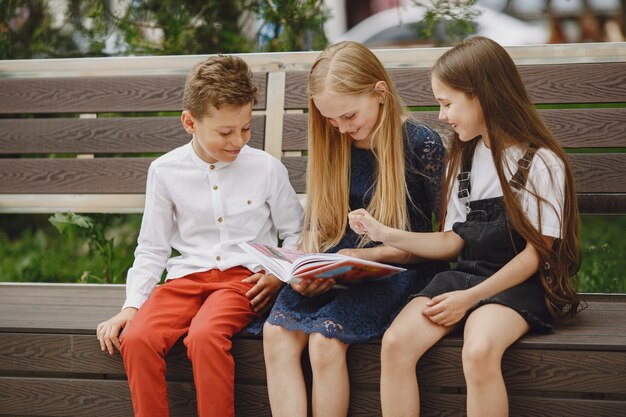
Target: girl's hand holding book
[314,287]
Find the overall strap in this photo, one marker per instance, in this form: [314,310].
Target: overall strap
[523,167]
[464,177]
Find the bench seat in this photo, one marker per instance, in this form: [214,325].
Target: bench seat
[51,363]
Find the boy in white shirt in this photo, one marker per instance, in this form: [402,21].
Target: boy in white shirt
[202,199]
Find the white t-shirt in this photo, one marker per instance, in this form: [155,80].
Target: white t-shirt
[546,178]
[204,210]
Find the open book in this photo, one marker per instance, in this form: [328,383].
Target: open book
[292,266]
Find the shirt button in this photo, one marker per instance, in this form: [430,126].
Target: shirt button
[212,166]
[215,187]
[220,219]
[219,258]
[249,201]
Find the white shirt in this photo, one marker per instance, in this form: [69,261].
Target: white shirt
[204,210]
[546,178]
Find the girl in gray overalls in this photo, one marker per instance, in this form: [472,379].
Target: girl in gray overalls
[510,222]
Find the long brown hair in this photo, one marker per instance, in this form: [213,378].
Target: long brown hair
[481,68]
[350,68]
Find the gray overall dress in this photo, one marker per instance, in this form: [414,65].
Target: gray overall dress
[490,243]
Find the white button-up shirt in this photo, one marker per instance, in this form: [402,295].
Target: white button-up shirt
[204,210]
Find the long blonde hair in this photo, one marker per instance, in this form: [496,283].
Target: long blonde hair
[350,68]
[479,67]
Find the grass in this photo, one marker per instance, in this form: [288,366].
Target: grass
[31,250]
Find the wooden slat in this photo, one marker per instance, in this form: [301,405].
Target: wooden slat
[595,173]
[100,94]
[52,397]
[64,175]
[602,203]
[574,128]
[113,135]
[453,405]
[79,356]
[599,173]
[546,83]
[296,166]
[78,308]
[59,397]
[524,369]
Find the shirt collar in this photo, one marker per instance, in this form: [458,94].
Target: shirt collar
[211,166]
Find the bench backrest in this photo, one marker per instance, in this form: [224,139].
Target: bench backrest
[79,134]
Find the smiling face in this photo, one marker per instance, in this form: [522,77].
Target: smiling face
[220,135]
[462,112]
[355,115]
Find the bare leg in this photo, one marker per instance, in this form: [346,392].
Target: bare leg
[489,331]
[410,335]
[285,382]
[331,387]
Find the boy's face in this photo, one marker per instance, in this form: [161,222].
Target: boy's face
[221,135]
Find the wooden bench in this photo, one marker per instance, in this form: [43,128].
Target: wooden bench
[99,118]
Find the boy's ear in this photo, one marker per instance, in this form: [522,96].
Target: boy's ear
[189,123]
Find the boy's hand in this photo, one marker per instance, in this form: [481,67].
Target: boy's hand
[108,331]
[313,287]
[364,224]
[264,292]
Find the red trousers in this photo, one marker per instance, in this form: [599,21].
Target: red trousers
[210,307]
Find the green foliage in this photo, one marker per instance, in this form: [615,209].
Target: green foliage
[27,31]
[454,18]
[92,232]
[31,250]
[181,27]
[291,25]
[603,265]
[156,27]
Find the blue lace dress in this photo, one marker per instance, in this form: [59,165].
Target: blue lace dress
[364,311]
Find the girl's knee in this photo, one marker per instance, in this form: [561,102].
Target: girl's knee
[399,345]
[280,344]
[326,353]
[481,358]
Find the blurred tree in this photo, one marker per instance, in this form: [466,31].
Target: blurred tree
[291,25]
[454,18]
[30,29]
[169,27]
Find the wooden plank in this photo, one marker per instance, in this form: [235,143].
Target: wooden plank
[595,173]
[453,405]
[72,176]
[79,356]
[599,173]
[59,397]
[78,308]
[575,128]
[146,93]
[524,369]
[109,135]
[546,83]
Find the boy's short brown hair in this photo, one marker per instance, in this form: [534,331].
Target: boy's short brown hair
[218,81]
